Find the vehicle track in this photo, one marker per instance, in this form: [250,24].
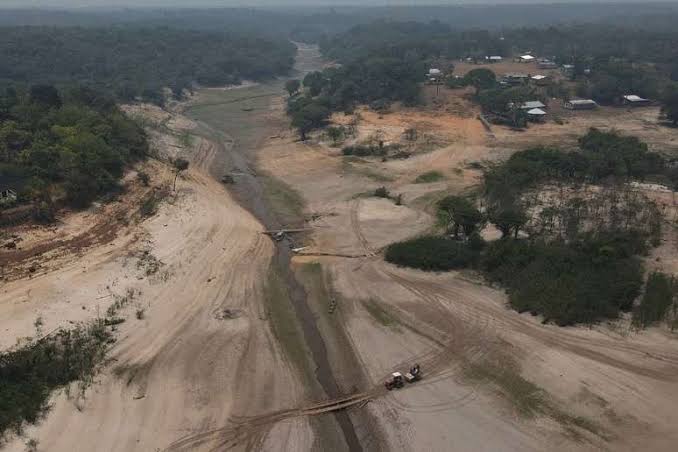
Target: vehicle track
[438,363]
[355,226]
[472,308]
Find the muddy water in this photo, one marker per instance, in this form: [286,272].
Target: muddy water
[241,132]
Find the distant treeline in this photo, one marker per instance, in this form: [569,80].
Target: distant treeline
[328,19]
[411,40]
[133,62]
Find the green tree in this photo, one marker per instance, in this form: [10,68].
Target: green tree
[46,95]
[311,115]
[660,292]
[481,79]
[314,82]
[509,218]
[457,214]
[335,134]
[179,165]
[292,86]
[670,104]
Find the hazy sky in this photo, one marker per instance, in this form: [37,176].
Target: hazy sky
[203,3]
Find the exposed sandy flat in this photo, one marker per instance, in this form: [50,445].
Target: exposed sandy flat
[185,366]
[624,381]
[189,366]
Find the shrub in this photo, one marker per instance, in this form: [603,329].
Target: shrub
[30,373]
[362,150]
[658,298]
[382,192]
[566,283]
[144,178]
[429,177]
[43,212]
[140,313]
[431,253]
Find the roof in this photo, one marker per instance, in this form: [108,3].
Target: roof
[582,101]
[526,57]
[533,104]
[568,66]
[494,57]
[434,71]
[539,77]
[536,112]
[634,98]
[515,75]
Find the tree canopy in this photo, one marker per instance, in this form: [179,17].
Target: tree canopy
[129,61]
[75,141]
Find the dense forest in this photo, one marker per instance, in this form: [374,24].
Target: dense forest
[285,20]
[137,62]
[66,146]
[572,231]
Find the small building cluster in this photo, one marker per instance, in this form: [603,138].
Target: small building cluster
[434,75]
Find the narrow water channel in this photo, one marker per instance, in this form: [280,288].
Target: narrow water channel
[241,132]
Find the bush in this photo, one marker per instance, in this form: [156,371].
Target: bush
[566,283]
[144,178]
[431,253]
[382,192]
[429,177]
[29,374]
[659,296]
[362,150]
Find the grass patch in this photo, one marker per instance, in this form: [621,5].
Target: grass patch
[284,323]
[379,314]
[286,202]
[28,375]
[658,300]
[314,281]
[528,399]
[347,166]
[151,202]
[429,177]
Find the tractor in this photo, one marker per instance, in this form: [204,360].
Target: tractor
[398,380]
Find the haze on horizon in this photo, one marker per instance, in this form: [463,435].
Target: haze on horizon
[278,3]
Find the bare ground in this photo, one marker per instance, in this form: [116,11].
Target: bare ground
[614,387]
[203,371]
[202,352]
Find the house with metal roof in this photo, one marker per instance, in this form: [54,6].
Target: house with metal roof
[536,114]
[534,104]
[515,78]
[635,101]
[540,80]
[580,104]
